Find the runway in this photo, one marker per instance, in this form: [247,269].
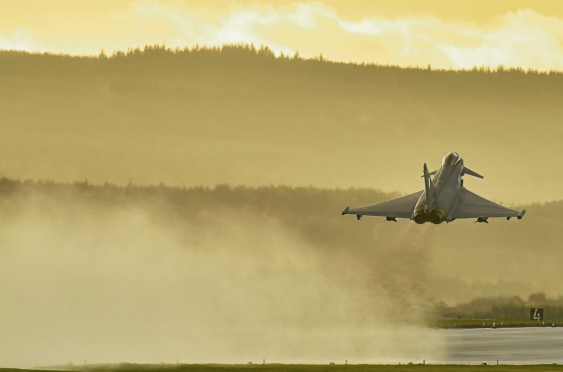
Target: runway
[508,345]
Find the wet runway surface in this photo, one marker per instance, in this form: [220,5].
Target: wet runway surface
[508,345]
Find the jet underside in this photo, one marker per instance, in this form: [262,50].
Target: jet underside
[443,199]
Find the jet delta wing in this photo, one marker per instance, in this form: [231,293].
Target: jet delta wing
[402,207]
[443,199]
[473,206]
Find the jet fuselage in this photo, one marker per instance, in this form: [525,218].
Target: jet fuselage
[438,200]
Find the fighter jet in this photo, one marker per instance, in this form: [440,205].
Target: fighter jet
[443,199]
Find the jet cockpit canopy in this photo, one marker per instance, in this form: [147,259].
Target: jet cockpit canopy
[451,158]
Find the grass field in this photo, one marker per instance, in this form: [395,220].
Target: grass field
[499,323]
[312,368]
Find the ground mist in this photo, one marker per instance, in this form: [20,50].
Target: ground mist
[144,274]
[231,274]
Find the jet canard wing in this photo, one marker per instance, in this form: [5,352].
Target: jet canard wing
[471,205]
[402,207]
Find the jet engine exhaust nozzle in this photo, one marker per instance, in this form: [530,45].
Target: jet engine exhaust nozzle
[437,216]
[420,217]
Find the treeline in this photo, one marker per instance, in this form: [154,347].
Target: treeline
[503,307]
[418,266]
[219,73]
[312,213]
[160,61]
[124,367]
[246,53]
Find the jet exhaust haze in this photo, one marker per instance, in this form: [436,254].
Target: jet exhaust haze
[98,273]
[155,274]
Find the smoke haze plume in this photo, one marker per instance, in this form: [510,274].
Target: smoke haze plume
[157,274]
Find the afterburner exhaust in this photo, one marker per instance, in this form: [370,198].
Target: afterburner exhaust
[437,216]
[420,217]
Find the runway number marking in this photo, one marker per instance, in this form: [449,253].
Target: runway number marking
[536,314]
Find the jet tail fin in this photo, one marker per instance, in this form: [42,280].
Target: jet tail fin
[428,187]
[471,173]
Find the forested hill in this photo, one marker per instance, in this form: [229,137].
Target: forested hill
[238,115]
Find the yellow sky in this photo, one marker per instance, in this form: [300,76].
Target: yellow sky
[458,34]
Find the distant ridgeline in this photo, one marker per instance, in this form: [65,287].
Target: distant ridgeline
[241,115]
[250,65]
[231,54]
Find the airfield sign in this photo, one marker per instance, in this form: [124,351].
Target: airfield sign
[536,314]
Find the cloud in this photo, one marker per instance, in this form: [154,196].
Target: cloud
[21,40]
[524,38]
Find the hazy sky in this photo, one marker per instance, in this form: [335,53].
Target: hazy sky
[446,34]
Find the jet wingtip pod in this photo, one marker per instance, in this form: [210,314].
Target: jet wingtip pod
[521,214]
